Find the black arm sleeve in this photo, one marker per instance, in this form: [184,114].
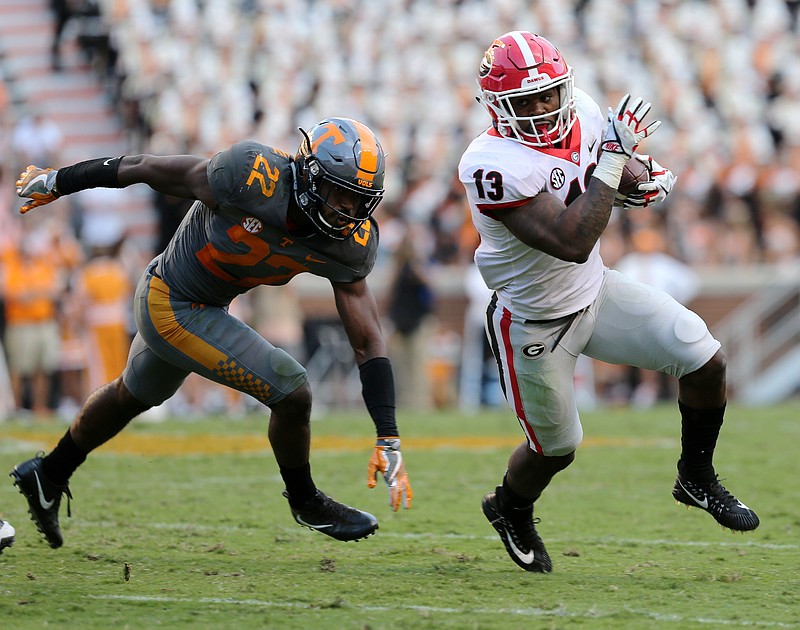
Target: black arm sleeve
[377,387]
[98,173]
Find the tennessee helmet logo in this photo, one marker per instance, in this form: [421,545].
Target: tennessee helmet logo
[367,152]
[328,131]
[488,57]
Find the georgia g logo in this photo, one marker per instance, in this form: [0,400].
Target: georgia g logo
[533,350]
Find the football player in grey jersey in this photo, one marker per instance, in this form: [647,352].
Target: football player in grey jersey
[261,216]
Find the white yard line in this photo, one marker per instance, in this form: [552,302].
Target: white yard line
[560,612]
[434,536]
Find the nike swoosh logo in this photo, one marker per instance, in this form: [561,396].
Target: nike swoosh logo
[302,522]
[527,558]
[108,161]
[703,504]
[42,501]
[591,146]
[310,258]
[32,187]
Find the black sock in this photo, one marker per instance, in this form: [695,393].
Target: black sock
[299,485]
[62,461]
[699,432]
[511,499]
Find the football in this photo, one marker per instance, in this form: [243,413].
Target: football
[633,173]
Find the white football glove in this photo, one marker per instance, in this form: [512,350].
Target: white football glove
[653,192]
[624,131]
[387,461]
[622,135]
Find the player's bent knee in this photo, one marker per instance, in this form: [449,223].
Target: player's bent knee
[718,363]
[297,403]
[712,372]
[552,461]
[563,443]
[127,400]
[560,462]
[547,465]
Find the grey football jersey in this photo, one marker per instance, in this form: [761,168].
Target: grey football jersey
[217,254]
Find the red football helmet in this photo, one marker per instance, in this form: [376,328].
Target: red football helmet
[522,63]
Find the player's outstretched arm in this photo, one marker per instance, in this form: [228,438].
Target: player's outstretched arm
[359,314]
[177,175]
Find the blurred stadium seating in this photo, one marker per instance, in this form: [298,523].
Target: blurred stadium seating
[168,76]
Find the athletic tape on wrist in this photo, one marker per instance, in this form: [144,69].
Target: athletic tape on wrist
[609,168]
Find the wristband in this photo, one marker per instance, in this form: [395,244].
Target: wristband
[377,388]
[98,173]
[609,168]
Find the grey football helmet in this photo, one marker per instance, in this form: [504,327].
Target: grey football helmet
[340,160]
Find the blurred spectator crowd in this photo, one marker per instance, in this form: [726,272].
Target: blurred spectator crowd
[724,75]
[193,76]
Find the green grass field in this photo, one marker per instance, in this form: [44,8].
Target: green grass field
[194,511]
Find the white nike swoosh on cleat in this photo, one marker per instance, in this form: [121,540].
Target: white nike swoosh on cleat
[108,161]
[42,501]
[527,558]
[703,504]
[302,522]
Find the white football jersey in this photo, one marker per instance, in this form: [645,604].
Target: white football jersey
[499,174]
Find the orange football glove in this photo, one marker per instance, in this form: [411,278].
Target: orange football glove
[387,460]
[38,185]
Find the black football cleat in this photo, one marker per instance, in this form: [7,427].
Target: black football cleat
[334,519]
[517,529]
[44,498]
[712,497]
[6,535]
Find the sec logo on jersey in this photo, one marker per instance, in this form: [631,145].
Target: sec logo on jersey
[252,225]
[557,178]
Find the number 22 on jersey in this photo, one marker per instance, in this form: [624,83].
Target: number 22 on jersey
[260,252]
[267,187]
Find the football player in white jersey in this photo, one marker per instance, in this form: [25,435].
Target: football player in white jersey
[541,182]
